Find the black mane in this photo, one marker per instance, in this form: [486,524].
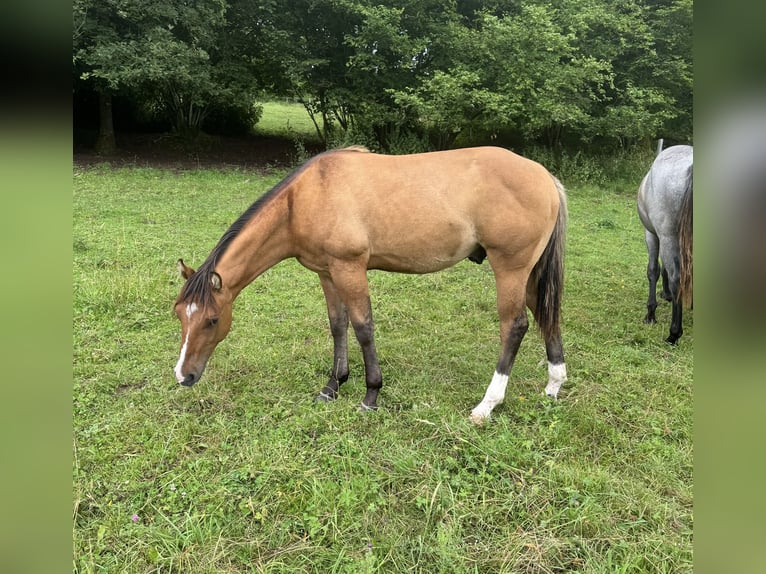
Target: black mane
[198,287]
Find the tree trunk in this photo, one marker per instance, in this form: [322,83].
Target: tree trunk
[105,143]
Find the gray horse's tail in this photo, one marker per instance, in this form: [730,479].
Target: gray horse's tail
[548,274]
[685,241]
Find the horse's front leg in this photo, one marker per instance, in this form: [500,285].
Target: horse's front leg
[338,315]
[350,281]
[373,378]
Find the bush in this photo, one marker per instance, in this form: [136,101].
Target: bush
[227,120]
[585,167]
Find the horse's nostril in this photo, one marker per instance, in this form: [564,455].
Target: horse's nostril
[189,380]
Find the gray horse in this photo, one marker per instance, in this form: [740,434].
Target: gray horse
[665,209]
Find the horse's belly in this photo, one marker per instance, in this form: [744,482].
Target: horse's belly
[425,256]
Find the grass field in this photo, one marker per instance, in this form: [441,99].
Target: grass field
[243,473]
[286,119]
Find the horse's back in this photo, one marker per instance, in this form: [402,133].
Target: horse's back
[424,211]
[435,181]
[662,190]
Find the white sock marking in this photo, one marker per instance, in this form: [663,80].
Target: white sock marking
[557,376]
[181,359]
[494,396]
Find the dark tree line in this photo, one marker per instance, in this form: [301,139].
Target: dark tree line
[395,73]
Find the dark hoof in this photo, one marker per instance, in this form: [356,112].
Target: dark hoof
[364,408]
[672,340]
[649,320]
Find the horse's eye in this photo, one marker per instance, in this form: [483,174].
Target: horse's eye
[212,322]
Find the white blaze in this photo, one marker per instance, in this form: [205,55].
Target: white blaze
[181,359]
[191,308]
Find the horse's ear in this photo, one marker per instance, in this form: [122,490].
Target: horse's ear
[215,281]
[184,269]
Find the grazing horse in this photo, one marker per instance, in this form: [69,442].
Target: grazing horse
[665,207]
[346,211]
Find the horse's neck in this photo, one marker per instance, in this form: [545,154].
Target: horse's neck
[262,243]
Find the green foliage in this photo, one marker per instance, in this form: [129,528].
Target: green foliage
[621,168]
[608,72]
[449,103]
[243,473]
[544,71]
[236,118]
[173,52]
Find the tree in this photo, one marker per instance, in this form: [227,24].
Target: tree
[548,83]
[175,52]
[517,71]
[575,70]
[671,24]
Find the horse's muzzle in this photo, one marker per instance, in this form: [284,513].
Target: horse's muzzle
[189,380]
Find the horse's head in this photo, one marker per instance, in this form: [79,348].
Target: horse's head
[204,309]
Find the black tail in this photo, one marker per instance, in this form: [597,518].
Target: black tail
[548,274]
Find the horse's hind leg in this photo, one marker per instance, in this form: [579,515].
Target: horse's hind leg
[495,393]
[652,274]
[554,349]
[557,370]
[513,326]
[669,252]
[676,328]
[338,315]
[665,294]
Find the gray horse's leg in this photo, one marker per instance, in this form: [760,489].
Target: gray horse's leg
[665,285]
[669,252]
[652,274]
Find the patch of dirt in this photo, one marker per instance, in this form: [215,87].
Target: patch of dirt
[167,151]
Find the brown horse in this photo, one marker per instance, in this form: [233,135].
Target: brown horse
[346,211]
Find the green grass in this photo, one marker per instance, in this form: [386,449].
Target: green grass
[286,119]
[243,473]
